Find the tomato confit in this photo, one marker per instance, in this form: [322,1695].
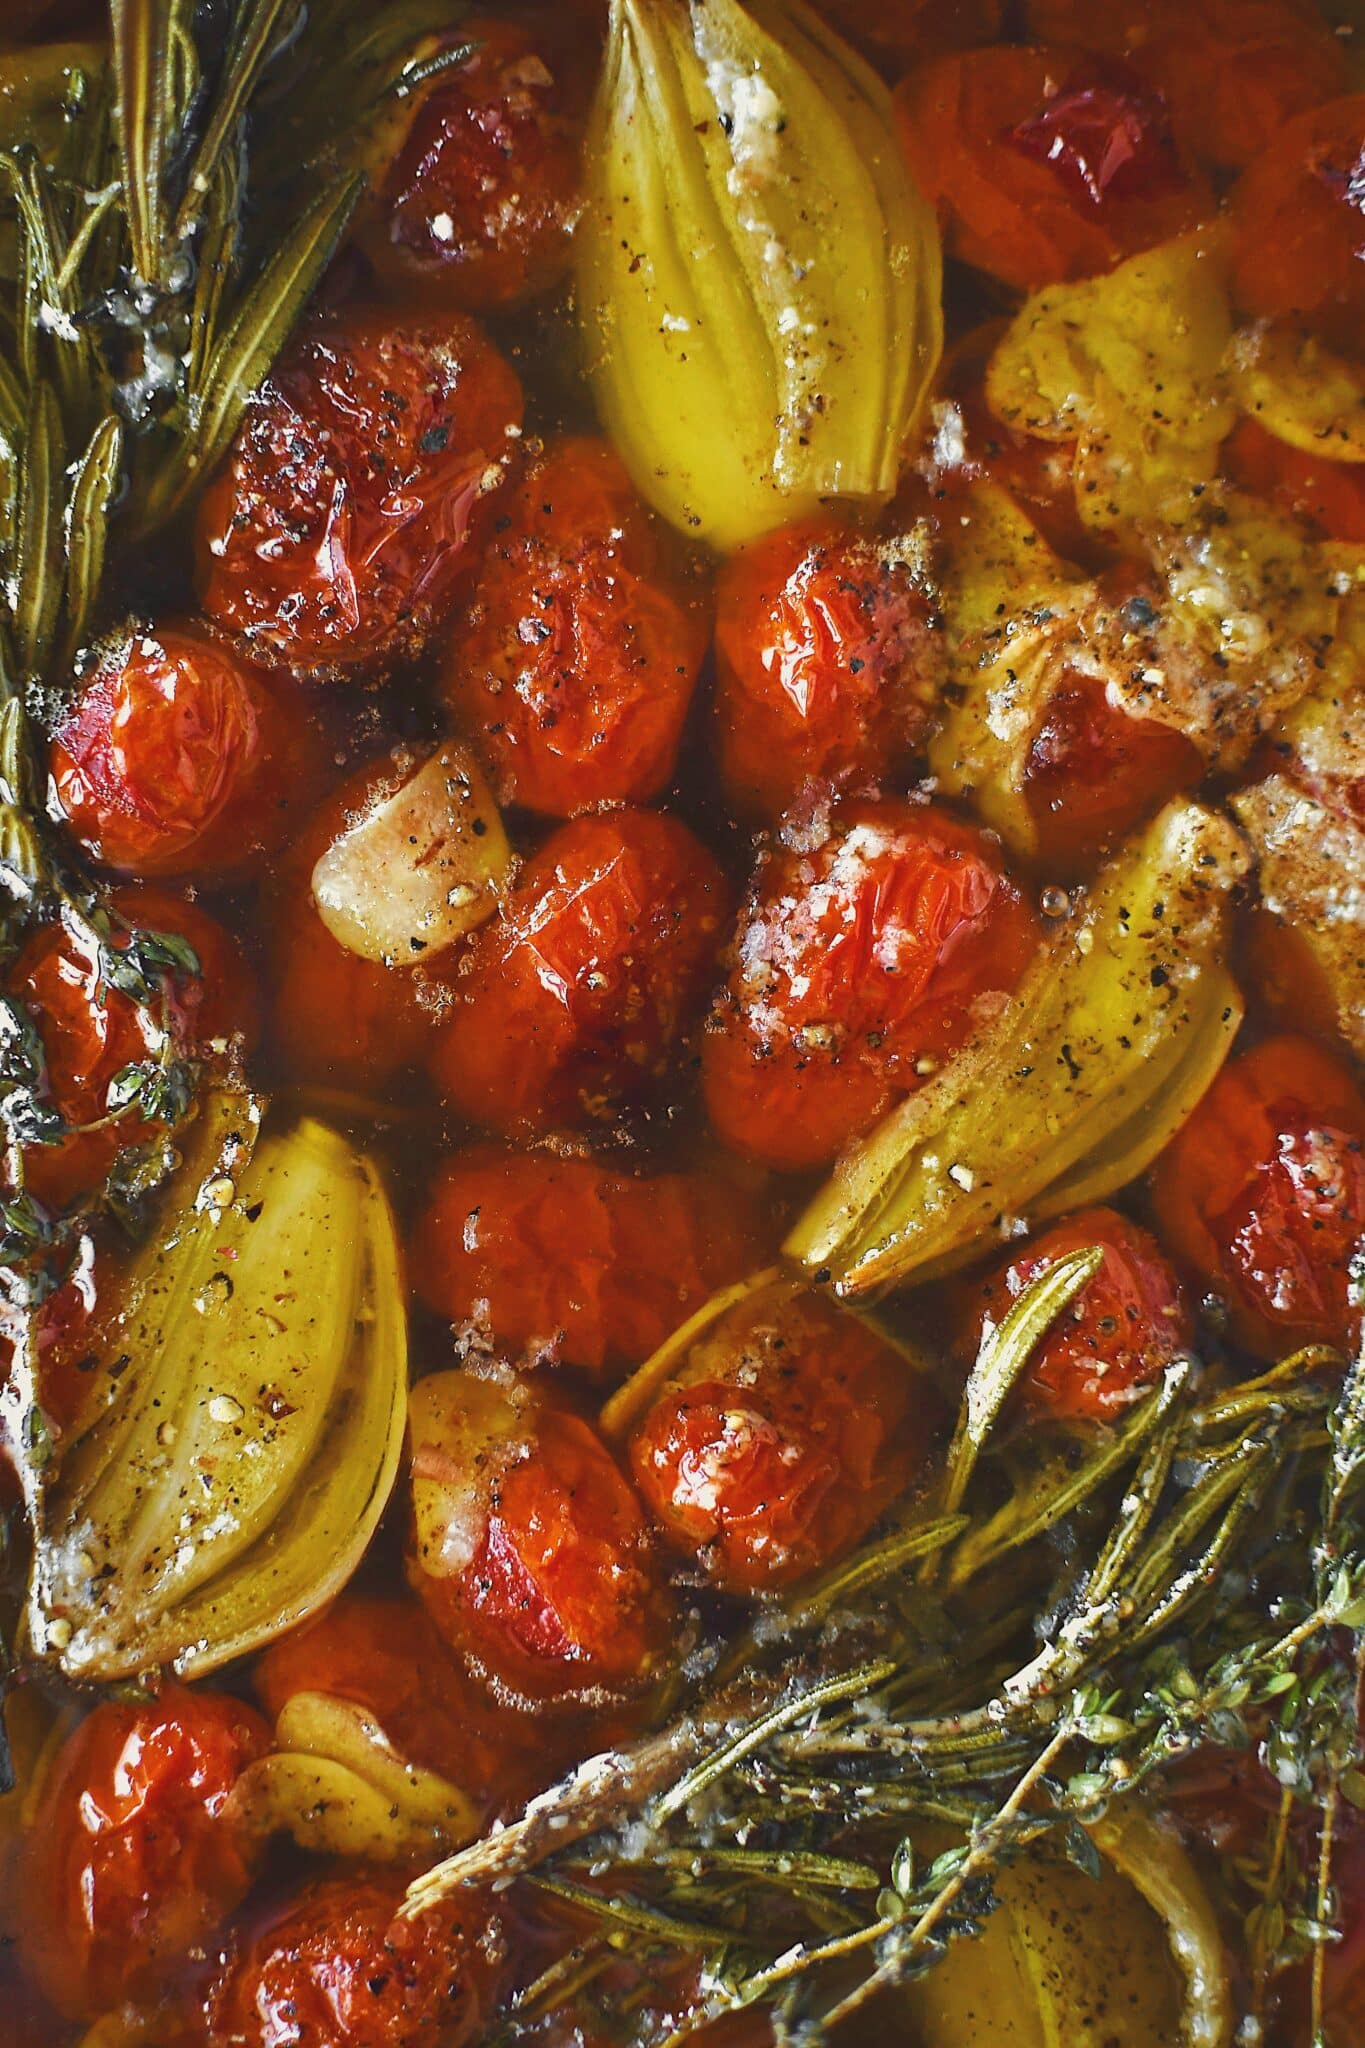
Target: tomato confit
[682,1004]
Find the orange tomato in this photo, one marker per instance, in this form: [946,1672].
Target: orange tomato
[1331,495]
[1299,225]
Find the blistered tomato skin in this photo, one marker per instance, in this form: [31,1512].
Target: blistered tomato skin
[478,207]
[1127,1323]
[854,969]
[531,1551]
[339,1969]
[356,495]
[353,1020]
[1330,495]
[1047,164]
[575,998]
[91,1030]
[1261,1196]
[568,1261]
[1299,226]
[828,661]
[577,655]
[131,1859]
[178,757]
[1094,770]
[788,1431]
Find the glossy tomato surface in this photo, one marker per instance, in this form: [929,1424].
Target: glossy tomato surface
[1299,227]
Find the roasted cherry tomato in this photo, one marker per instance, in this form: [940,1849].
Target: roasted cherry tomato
[1331,495]
[1262,1196]
[338,1968]
[577,995]
[362,478]
[337,1014]
[530,1549]
[895,33]
[91,1030]
[574,1261]
[1094,770]
[1232,72]
[178,757]
[130,1860]
[576,659]
[1299,226]
[1048,164]
[477,207]
[855,968]
[1125,1325]
[828,661]
[785,1433]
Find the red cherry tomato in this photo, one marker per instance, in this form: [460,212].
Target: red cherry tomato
[827,664]
[1299,225]
[571,1260]
[895,33]
[1125,1325]
[787,1431]
[1262,1196]
[1231,72]
[130,1859]
[1094,770]
[577,995]
[336,534]
[530,1550]
[576,659]
[478,207]
[337,1968]
[180,758]
[91,1030]
[1331,495]
[1048,164]
[337,1015]
[856,967]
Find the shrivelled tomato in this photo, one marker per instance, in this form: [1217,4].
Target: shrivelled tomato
[1232,72]
[1048,164]
[130,1859]
[178,757]
[91,1030]
[1262,1196]
[855,968]
[337,1968]
[573,1260]
[1299,225]
[1329,494]
[362,478]
[1095,769]
[337,1014]
[577,655]
[786,1432]
[1125,1325]
[478,205]
[828,661]
[530,1549]
[577,995]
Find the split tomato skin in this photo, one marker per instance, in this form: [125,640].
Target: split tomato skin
[856,967]
[1049,165]
[1329,495]
[788,1431]
[580,648]
[358,492]
[178,757]
[91,1030]
[827,664]
[132,1859]
[573,1261]
[574,999]
[1124,1327]
[478,206]
[1299,227]
[338,1968]
[1261,1196]
[530,1550]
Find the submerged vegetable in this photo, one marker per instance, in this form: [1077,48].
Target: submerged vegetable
[248,1418]
[1110,1042]
[759,278]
